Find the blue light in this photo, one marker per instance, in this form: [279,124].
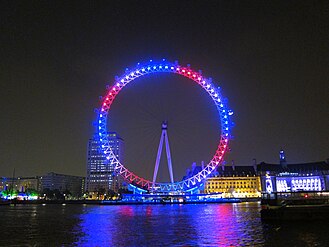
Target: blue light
[205,83]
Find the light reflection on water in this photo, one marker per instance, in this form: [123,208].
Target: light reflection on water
[152,225]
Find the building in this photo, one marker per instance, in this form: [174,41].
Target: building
[313,176]
[64,183]
[20,184]
[100,173]
[235,181]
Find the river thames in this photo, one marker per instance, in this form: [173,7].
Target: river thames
[236,224]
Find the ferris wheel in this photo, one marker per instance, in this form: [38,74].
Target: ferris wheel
[165,67]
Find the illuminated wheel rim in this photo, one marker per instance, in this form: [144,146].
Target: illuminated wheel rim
[175,68]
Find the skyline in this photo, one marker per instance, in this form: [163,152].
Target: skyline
[270,60]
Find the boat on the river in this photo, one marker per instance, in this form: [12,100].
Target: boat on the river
[295,206]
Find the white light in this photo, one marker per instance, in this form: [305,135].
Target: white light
[122,80]
[166,67]
[154,67]
[221,105]
[216,94]
[212,90]
[127,77]
[148,68]
[101,115]
[171,67]
[143,69]
[132,74]
[137,71]
[208,86]
[118,84]
[160,67]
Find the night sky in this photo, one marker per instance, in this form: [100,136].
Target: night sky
[270,58]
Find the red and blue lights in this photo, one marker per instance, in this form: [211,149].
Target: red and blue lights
[165,67]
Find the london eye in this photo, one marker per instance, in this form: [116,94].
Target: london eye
[224,116]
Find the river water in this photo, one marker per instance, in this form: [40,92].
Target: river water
[236,224]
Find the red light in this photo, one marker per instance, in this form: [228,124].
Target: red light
[306,195]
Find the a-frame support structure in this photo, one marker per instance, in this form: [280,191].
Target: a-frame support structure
[164,137]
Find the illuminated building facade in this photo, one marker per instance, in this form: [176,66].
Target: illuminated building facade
[294,177]
[20,184]
[100,173]
[235,181]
